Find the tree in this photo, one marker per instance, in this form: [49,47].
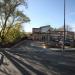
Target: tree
[15,33]
[10,15]
[67,28]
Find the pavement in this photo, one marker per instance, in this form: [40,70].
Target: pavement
[26,58]
[7,68]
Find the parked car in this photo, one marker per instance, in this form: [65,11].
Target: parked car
[68,42]
[52,44]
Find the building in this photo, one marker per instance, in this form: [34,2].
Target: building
[47,33]
[41,33]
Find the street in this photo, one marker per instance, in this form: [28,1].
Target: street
[31,60]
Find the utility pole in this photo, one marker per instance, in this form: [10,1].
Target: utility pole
[64,27]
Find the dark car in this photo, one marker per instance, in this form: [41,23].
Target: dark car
[68,42]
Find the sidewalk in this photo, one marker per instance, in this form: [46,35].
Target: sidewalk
[7,68]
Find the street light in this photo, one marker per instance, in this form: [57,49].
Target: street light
[64,27]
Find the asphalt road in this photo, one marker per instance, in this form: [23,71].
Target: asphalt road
[32,60]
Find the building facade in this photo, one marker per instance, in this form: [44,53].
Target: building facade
[46,33]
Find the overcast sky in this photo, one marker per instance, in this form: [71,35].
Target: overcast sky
[49,12]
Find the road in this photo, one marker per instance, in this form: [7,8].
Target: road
[30,60]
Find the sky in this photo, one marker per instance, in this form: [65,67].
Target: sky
[49,12]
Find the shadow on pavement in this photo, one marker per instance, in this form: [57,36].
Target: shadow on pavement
[4,71]
[57,64]
[18,63]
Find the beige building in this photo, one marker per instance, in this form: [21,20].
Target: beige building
[46,33]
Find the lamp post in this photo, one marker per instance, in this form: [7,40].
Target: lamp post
[64,27]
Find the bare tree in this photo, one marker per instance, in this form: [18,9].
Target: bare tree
[68,28]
